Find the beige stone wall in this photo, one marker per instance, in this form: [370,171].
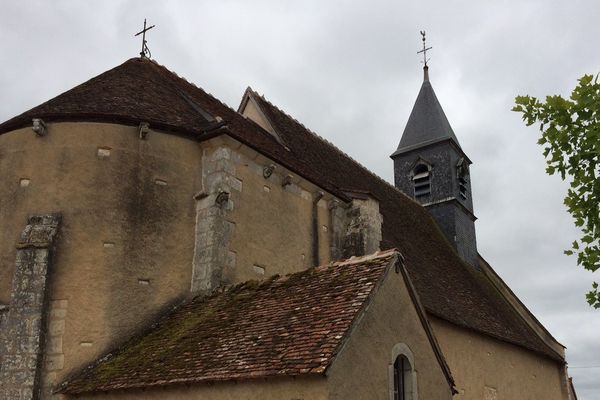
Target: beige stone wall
[126,242]
[261,389]
[272,221]
[361,370]
[485,368]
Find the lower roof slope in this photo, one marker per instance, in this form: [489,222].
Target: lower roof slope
[285,326]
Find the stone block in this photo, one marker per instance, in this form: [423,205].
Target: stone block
[225,166]
[103,152]
[54,345]
[221,153]
[55,362]
[57,304]
[56,327]
[58,313]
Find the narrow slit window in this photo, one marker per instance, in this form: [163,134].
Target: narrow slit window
[462,187]
[402,379]
[462,172]
[422,180]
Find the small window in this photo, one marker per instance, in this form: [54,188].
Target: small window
[462,187]
[421,180]
[462,171]
[402,378]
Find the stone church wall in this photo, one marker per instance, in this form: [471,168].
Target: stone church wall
[22,338]
[260,389]
[127,234]
[263,220]
[362,369]
[135,217]
[485,368]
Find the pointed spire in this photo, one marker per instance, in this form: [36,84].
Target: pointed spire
[427,122]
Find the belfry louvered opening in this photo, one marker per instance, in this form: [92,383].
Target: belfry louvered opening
[462,187]
[422,180]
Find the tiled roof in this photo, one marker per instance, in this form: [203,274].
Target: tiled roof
[141,90]
[447,287]
[285,326]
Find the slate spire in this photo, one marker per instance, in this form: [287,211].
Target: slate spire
[427,122]
[431,167]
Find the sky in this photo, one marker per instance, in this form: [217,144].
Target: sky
[349,70]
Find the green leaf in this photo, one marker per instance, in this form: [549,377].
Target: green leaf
[570,136]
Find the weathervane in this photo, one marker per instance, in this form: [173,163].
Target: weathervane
[145,49]
[424,51]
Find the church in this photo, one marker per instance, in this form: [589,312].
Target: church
[158,244]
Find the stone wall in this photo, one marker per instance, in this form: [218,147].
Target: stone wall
[483,366]
[127,233]
[356,227]
[262,216]
[361,370]
[284,388]
[23,334]
[213,260]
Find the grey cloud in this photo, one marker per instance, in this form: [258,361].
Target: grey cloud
[350,72]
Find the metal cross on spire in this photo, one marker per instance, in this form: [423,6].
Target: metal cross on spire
[424,51]
[145,49]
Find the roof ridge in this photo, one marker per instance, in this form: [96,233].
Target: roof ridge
[176,75]
[333,146]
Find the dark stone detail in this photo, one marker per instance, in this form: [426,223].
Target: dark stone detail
[268,171]
[458,227]
[222,199]
[22,334]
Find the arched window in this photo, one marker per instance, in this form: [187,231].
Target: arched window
[421,180]
[403,378]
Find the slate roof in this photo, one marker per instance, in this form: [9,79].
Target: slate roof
[427,122]
[141,90]
[285,326]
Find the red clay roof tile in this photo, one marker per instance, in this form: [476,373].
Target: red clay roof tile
[292,325]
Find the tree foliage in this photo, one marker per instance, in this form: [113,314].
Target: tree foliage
[571,139]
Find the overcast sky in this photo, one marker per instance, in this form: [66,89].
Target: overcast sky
[349,71]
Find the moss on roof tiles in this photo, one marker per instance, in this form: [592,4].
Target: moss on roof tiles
[290,325]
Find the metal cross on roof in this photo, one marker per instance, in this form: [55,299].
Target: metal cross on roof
[145,49]
[424,51]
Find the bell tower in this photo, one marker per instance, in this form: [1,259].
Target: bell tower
[431,167]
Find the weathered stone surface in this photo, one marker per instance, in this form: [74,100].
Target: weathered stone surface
[212,256]
[356,228]
[22,333]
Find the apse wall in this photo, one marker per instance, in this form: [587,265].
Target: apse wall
[126,240]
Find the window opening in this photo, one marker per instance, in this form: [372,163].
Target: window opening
[462,187]
[402,378]
[421,180]
[462,170]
